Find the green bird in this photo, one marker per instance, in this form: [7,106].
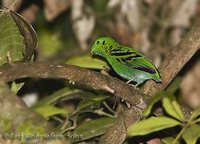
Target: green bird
[126,62]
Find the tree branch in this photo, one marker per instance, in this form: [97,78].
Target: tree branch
[75,75]
[117,133]
[96,81]
[175,61]
[17,120]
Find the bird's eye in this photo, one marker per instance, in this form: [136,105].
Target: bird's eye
[103,42]
[97,42]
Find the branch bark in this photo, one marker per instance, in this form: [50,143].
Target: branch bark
[16,119]
[117,133]
[96,81]
[75,75]
[175,61]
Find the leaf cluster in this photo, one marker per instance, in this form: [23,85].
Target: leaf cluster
[172,118]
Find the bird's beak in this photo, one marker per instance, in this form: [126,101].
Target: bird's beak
[92,50]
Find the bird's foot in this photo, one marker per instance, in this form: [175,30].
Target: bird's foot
[127,104]
[135,86]
[105,70]
[129,81]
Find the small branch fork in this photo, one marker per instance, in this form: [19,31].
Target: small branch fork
[88,79]
[173,63]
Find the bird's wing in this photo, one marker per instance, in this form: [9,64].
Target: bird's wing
[133,59]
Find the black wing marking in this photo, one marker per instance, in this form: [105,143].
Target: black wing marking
[146,69]
[121,53]
[131,59]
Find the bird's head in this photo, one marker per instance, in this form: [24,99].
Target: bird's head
[102,46]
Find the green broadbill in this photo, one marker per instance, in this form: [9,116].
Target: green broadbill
[126,62]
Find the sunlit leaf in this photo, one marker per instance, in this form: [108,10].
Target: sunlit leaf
[173,108]
[150,125]
[191,134]
[87,61]
[49,110]
[11,40]
[93,128]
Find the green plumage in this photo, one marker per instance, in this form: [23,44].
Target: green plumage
[126,62]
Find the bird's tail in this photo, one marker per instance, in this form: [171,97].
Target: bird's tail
[157,77]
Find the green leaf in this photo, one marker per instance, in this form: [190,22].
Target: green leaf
[174,85]
[92,102]
[16,87]
[154,99]
[93,128]
[173,108]
[29,129]
[195,114]
[87,61]
[11,40]
[49,110]
[29,34]
[168,140]
[191,134]
[64,92]
[150,125]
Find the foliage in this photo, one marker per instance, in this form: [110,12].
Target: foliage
[93,128]
[174,117]
[65,35]
[87,61]
[12,48]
